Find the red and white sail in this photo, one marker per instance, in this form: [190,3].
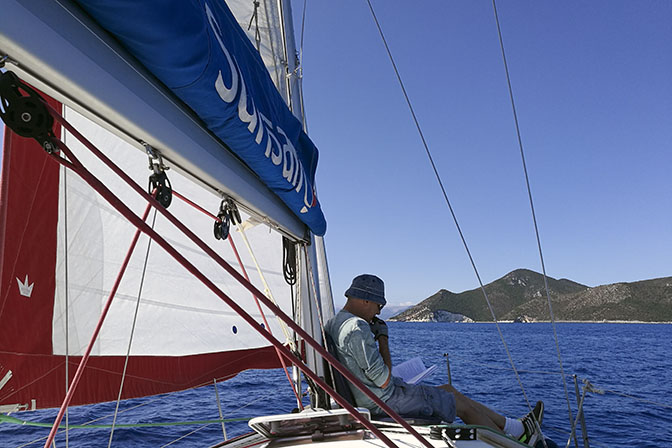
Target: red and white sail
[63,245]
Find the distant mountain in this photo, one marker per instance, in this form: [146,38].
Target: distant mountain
[391,310]
[388,311]
[521,294]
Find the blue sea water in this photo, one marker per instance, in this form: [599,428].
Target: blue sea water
[631,363]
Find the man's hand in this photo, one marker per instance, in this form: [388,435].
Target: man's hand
[378,328]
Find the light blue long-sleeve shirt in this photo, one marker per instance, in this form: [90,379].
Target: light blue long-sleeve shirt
[358,351]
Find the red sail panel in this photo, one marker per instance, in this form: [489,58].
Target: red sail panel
[29,220]
[28,227]
[42,377]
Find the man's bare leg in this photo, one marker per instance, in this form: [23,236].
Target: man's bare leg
[473,412]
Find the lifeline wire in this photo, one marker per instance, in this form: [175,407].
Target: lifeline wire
[450,207]
[7,419]
[534,216]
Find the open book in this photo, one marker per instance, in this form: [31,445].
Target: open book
[413,371]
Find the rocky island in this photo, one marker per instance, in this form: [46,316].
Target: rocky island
[521,296]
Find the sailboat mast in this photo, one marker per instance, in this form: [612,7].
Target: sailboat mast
[317,279]
[295,101]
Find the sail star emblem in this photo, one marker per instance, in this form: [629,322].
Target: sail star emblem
[25,289]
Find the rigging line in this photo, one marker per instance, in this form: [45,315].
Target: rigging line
[219,408]
[315,295]
[67,312]
[303,29]
[317,305]
[186,435]
[30,207]
[299,68]
[255,19]
[15,421]
[534,216]
[94,336]
[494,367]
[314,290]
[164,396]
[242,266]
[88,424]
[279,75]
[448,203]
[125,211]
[285,53]
[267,288]
[643,400]
[579,413]
[157,398]
[13,391]
[263,315]
[562,431]
[135,319]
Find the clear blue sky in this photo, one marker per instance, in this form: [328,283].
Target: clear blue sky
[593,86]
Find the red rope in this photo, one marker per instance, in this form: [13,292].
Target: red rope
[125,211]
[247,277]
[94,336]
[195,205]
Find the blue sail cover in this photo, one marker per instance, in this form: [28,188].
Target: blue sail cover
[198,50]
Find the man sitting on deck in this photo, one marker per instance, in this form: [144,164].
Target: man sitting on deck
[355,330]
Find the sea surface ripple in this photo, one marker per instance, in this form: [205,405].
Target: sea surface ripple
[630,363]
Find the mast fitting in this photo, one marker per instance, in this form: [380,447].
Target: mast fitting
[228,214]
[158,180]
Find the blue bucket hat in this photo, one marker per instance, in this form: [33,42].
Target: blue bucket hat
[367,287]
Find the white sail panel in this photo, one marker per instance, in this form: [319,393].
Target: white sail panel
[178,315]
[262,21]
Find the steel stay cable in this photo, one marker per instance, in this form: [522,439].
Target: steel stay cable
[99,325]
[447,200]
[130,339]
[242,267]
[126,212]
[534,216]
[67,299]
[578,416]
[633,397]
